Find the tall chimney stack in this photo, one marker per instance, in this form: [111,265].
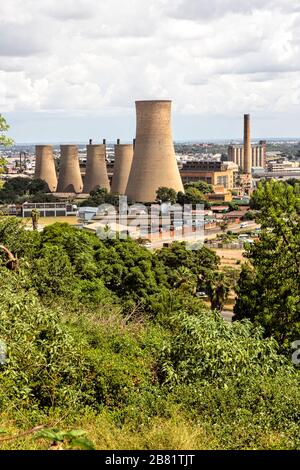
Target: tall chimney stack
[122,166]
[247,145]
[96,171]
[69,180]
[45,166]
[154,163]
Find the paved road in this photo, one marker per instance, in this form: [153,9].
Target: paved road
[208,235]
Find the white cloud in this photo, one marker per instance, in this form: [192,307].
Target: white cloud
[96,57]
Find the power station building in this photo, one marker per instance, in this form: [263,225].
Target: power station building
[122,167]
[154,163]
[258,154]
[69,180]
[45,166]
[214,172]
[96,172]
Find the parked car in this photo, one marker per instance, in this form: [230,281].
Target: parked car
[201,294]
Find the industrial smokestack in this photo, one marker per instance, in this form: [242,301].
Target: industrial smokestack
[122,166]
[247,145]
[154,163]
[45,166]
[69,180]
[96,171]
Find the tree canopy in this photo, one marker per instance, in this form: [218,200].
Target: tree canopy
[164,194]
[4,127]
[269,287]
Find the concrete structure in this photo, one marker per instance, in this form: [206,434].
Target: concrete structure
[69,180]
[220,194]
[154,163]
[236,155]
[122,167]
[212,172]
[96,172]
[247,145]
[49,209]
[45,166]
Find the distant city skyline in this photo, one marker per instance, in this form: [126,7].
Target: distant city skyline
[58,129]
[70,71]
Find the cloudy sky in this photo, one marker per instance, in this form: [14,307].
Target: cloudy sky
[72,69]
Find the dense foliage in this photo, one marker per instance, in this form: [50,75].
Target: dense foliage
[269,287]
[100,196]
[109,337]
[4,127]
[21,189]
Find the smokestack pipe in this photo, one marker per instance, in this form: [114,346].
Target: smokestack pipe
[247,145]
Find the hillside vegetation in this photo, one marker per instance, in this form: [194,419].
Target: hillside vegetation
[109,338]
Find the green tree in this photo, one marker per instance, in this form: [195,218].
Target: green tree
[249,215]
[52,272]
[80,247]
[202,186]
[184,279]
[23,243]
[217,287]
[19,188]
[224,225]
[201,263]
[164,194]
[269,289]
[34,218]
[4,127]
[131,271]
[233,206]
[192,195]
[100,196]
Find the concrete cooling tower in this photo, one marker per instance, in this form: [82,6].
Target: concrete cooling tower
[154,163]
[45,166]
[96,172]
[69,180]
[122,166]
